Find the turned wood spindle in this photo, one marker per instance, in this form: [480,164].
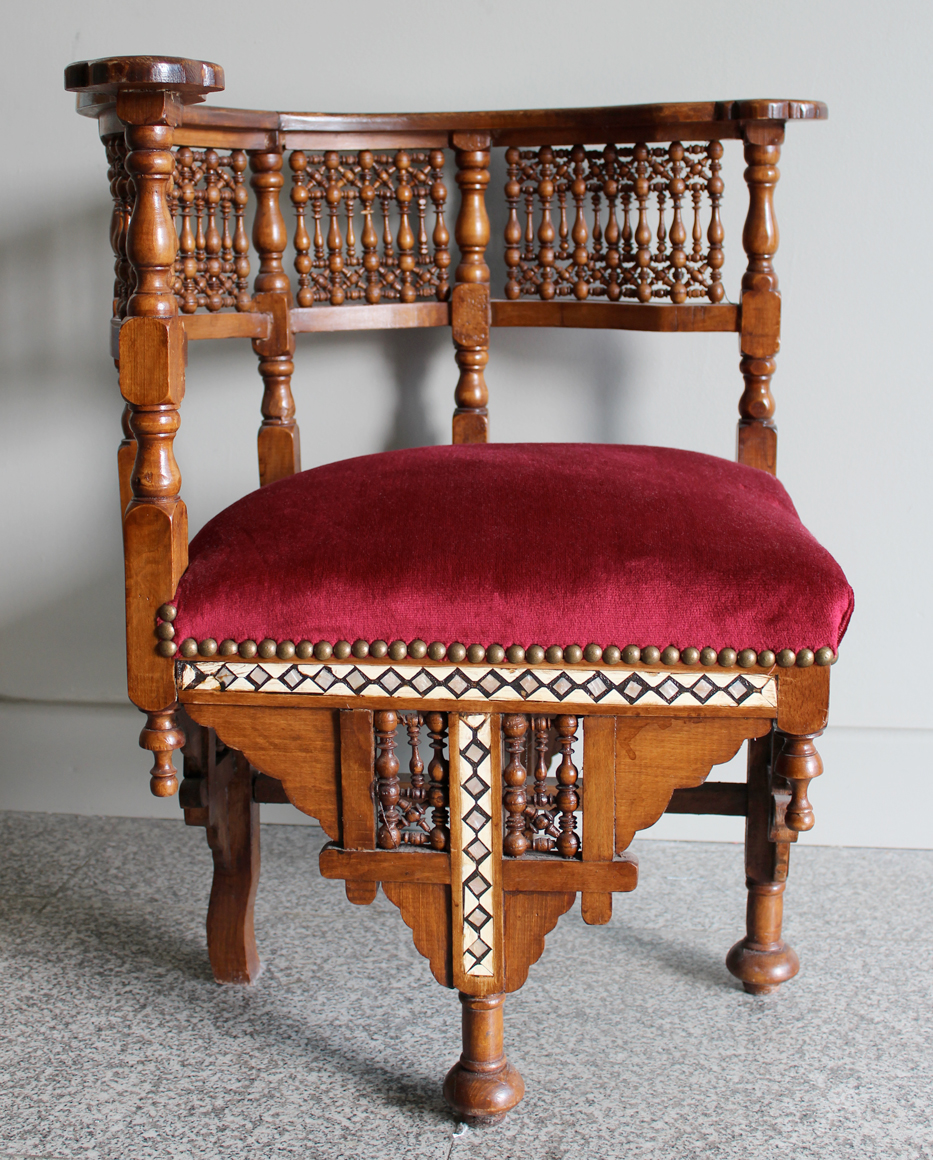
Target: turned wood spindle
[470,313]
[388,836]
[567,799]
[298,163]
[405,237]
[440,237]
[545,256]
[278,442]
[580,234]
[642,187]
[677,187]
[514,842]
[716,232]
[761,306]
[798,762]
[437,791]
[161,736]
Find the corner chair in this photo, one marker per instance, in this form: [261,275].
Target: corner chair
[674,605]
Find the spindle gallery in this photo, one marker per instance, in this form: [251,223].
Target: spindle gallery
[551,704]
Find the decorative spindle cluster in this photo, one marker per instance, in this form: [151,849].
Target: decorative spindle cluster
[209,200]
[543,821]
[402,806]
[122,192]
[614,223]
[363,232]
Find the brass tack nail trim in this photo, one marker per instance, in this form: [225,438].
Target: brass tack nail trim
[165,631]
[535,654]
[166,648]
[167,612]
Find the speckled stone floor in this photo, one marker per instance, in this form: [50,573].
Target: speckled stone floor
[116,1044]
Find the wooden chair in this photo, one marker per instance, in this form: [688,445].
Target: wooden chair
[671,603]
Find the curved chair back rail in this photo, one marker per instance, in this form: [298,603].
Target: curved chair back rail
[613,221]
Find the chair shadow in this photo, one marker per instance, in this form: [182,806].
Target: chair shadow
[150,945]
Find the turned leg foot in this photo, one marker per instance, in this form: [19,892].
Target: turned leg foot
[762,960]
[483,1085]
[233,835]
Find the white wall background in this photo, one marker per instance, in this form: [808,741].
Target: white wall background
[852,388]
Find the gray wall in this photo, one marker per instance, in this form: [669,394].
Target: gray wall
[854,404]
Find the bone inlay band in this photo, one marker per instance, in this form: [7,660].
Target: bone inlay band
[574,686]
[474,738]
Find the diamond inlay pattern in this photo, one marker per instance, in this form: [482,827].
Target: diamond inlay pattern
[485,683]
[477,863]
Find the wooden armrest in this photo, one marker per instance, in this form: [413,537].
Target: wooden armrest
[190,79]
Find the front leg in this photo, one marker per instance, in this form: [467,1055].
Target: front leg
[779,767]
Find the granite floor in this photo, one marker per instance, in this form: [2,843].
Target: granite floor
[116,1044]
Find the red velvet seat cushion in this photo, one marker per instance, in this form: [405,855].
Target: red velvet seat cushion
[518,544]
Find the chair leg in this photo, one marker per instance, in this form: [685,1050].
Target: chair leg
[762,960]
[482,1086]
[233,836]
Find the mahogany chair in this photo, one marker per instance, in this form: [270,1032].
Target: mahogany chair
[674,606]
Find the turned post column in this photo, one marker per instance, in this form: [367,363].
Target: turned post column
[153,353]
[761,302]
[278,442]
[470,314]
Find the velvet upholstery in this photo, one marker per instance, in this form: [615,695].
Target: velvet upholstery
[518,544]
